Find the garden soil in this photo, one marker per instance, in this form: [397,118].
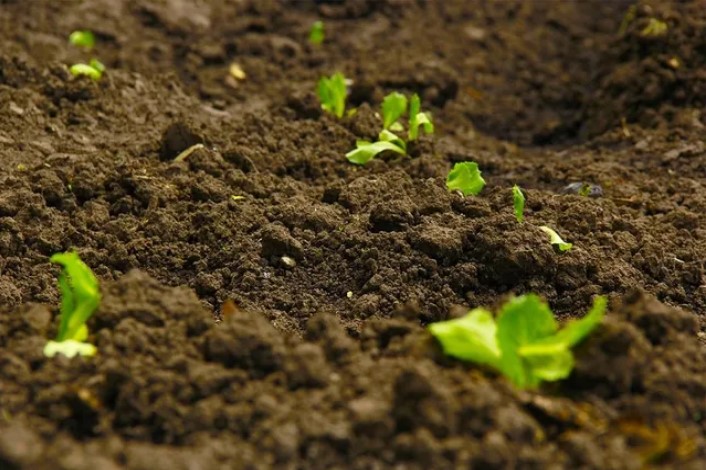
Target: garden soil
[265,301]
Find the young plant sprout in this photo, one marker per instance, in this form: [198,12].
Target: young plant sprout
[465,177]
[394,106]
[555,239]
[84,39]
[80,297]
[366,151]
[417,119]
[316,35]
[518,201]
[654,28]
[332,94]
[524,344]
[94,69]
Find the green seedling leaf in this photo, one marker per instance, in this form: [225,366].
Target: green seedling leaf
[471,337]
[555,239]
[518,201]
[654,28]
[417,119]
[332,94]
[393,107]
[69,348]
[97,64]
[522,320]
[84,39]
[525,343]
[80,297]
[87,70]
[465,177]
[316,35]
[366,151]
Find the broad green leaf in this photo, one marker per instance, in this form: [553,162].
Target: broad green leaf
[387,136]
[523,320]
[316,35]
[393,107]
[69,348]
[465,177]
[84,39]
[366,151]
[97,64]
[87,70]
[471,337]
[555,239]
[518,201]
[332,94]
[80,296]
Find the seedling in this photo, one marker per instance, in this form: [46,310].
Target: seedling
[94,69]
[555,239]
[525,344]
[654,28]
[418,119]
[332,94]
[84,39]
[366,151]
[393,107]
[465,177]
[518,201]
[316,35]
[80,297]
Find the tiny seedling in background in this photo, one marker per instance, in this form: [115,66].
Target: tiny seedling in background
[465,177]
[654,28]
[518,201]
[555,239]
[316,35]
[524,344]
[366,151]
[332,94]
[418,119]
[80,297]
[84,39]
[94,69]
[393,107]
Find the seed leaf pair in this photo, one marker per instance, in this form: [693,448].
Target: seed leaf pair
[525,343]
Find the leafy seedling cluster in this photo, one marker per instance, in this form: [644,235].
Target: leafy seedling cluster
[393,108]
[80,297]
[524,343]
[94,68]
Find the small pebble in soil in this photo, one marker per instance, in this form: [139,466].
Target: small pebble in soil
[583,189]
[288,262]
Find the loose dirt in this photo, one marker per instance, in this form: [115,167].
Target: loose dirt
[215,352]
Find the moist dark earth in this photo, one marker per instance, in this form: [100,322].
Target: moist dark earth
[215,352]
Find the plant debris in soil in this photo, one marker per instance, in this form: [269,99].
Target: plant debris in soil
[265,301]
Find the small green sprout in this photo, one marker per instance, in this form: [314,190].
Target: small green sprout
[332,94]
[518,201]
[366,151]
[654,28]
[316,35]
[555,239]
[84,39]
[80,297]
[94,69]
[417,119]
[465,177]
[524,344]
[393,107]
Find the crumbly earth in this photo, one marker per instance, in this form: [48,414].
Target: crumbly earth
[334,270]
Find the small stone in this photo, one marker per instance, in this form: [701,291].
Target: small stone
[288,262]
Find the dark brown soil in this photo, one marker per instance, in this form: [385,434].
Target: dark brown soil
[326,363]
